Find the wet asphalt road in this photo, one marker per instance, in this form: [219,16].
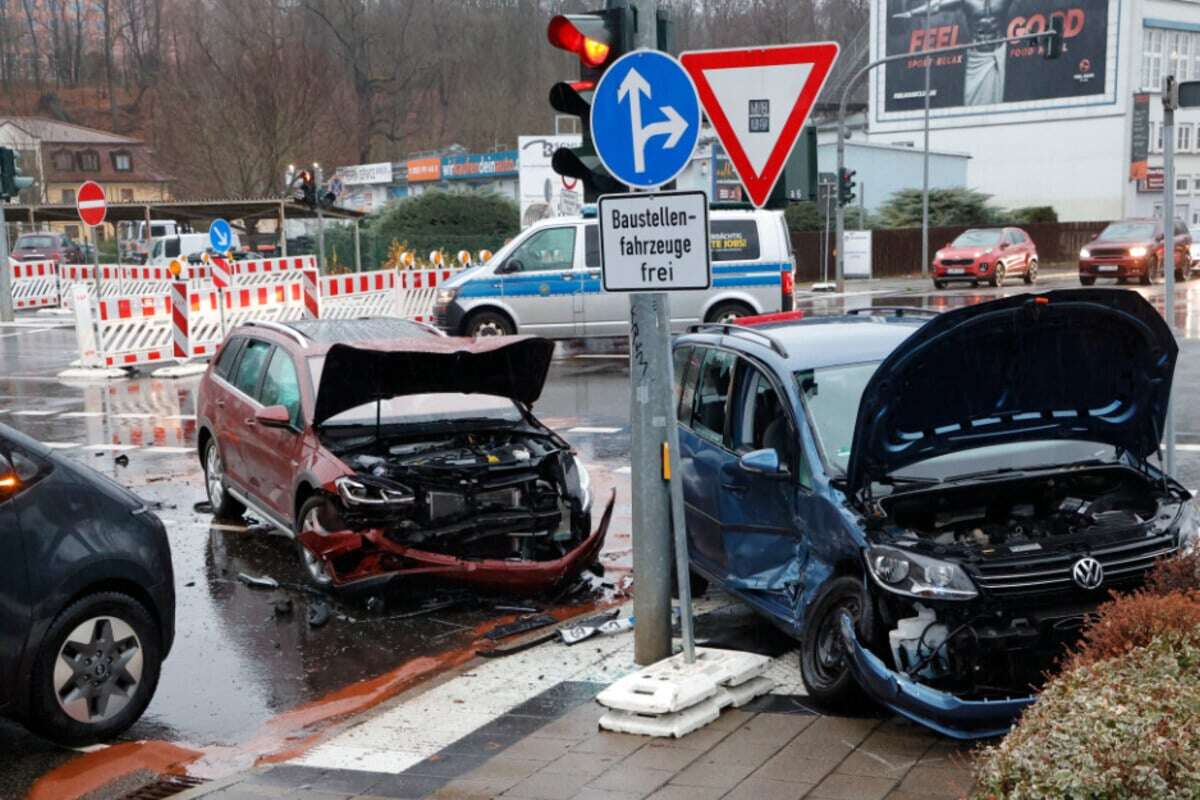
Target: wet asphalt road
[245,655]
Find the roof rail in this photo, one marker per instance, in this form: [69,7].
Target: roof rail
[730,329]
[286,330]
[896,311]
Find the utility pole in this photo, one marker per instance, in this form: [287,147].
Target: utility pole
[6,301]
[925,165]
[1170,101]
[318,177]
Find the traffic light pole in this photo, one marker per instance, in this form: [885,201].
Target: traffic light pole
[6,301]
[1169,254]
[840,215]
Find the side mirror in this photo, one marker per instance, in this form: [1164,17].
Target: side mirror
[763,462]
[273,417]
[9,482]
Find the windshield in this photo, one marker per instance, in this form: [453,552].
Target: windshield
[35,241]
[421,408]
[985,237]
[1128,232]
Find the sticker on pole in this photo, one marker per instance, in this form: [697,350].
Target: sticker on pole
[645,119]
[654,242]
[758,99]
[91,203]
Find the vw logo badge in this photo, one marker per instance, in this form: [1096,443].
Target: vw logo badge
[1088,573]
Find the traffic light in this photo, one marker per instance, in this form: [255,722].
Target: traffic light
[11,179]
[306,188]
[1054,38]
[846,187]
[597,38]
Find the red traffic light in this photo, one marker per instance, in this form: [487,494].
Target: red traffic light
[563,34]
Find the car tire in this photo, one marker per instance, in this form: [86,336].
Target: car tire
[316,514]
[488,323]
[224,505]
[102,630]
[823,665]
[728,312]
[997,279]
[1031,273]
[939,285]
[1087,281]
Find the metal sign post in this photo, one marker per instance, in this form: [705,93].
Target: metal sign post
[6,300]
[1170,102]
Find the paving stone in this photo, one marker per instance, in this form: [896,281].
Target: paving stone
[672,758]
[862,762]
[590,764]
[503,771]
[407,787]
[701,740]
[292,775]
[937,783]
[762,789]
[675,792]
[461,789]
[535,748]
[730,719]
[639,780]
[248,791]
[573,728]
[712,774]
[829,738]
[617,744]
[543,785]
[888,744]
[948,755]
[588,793]
[852,787]
[775,727]
[787,767]
[345,780]
[739,749]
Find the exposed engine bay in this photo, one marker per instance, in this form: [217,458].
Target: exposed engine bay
[483,494]
[978,588]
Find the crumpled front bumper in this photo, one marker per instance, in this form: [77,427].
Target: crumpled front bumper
[933,708]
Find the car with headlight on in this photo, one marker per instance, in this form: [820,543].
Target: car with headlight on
[1134,249]
[389,450]
[986,254]
[931,504]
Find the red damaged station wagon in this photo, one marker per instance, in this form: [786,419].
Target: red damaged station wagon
[390,450]
[986,254]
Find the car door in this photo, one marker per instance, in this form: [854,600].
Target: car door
[240,404]
[604,313]
[539,282]
[762,550]
[271,456]
[704,453]
[14,578]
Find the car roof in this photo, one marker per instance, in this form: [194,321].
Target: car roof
[814,342]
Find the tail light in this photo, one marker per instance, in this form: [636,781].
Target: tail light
[55,256]
[787,286]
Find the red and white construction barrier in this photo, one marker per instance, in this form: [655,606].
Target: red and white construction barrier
[261,272]
[198,326]
[34,284]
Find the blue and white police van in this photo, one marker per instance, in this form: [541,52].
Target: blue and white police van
[546,281]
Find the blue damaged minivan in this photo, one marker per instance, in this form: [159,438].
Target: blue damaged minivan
[546,281]
[931,503]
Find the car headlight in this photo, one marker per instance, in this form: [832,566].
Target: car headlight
[1189,527]
[910,574]
[359,492]
[585,485]
[1137,252]
[445,297]
[1085,253]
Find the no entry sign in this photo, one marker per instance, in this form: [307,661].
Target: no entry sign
[89,199]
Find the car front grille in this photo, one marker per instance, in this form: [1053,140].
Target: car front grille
[1124,563]
[1110,253]
[957,262]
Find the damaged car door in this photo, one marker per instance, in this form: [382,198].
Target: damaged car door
[238,406]
[272,454]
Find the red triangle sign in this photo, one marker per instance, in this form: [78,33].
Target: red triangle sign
[758,99]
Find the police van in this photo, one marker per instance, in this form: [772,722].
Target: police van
[546,281]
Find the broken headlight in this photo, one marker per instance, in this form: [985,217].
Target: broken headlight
[918,576]
[585,486]
[360,491]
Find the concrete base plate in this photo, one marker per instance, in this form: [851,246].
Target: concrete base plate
[681,723]
[672,684]
[93,373]
[179,371]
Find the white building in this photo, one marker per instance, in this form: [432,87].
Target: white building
[1057,133]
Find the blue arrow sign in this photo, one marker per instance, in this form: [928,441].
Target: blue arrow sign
[645,118]
[220,235]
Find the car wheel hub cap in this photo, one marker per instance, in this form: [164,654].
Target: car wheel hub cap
[98,669]
[215,490]
[488,329]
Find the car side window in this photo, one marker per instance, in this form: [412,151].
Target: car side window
[733,239]
[679,373]
[762,422]
[281,386]
[712,396]
[591,246]
[544,251]
[250,366]
[691,374]
[28,467]
[228,357]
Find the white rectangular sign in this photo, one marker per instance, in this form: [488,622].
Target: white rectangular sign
[654,242]
[858,254]
[360,174]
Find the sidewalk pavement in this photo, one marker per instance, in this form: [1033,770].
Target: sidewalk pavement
[525,726]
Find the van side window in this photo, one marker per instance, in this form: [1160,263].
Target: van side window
[546,250]
[712,396]
[733,239]
[171,247]
[591,246]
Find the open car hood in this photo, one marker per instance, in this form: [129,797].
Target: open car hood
[1086,364]
[509,366]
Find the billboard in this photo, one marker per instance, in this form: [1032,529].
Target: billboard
[424,169]
[480,165]
[545,193]
[994,75]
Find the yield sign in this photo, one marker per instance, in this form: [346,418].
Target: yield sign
[758,99]
[90,202]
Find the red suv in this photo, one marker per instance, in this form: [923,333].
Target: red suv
[388,449]
[986,254]
[1133,248]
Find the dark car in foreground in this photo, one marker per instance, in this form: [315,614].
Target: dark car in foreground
[931,505]
[986,254]
[389,450]
[88,594]
[1134,249]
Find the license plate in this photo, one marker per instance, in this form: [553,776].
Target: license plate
[1112,268]
[956,272]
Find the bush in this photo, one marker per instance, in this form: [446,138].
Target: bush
[1135,620]
[1124,727]
[1031,215]
[946,207]
[448,220]
[1178,574]
[809,216]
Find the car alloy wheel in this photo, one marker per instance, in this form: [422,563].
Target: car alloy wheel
[1031,272]
[98,669]
[213,477]
[488,328]
[313,564]
[830,661]
[998,275]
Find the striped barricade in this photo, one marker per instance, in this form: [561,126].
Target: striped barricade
[124,280]
[34,284]
[134,331]
[267,271]
[416,290]
[197,324]
[363,294]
